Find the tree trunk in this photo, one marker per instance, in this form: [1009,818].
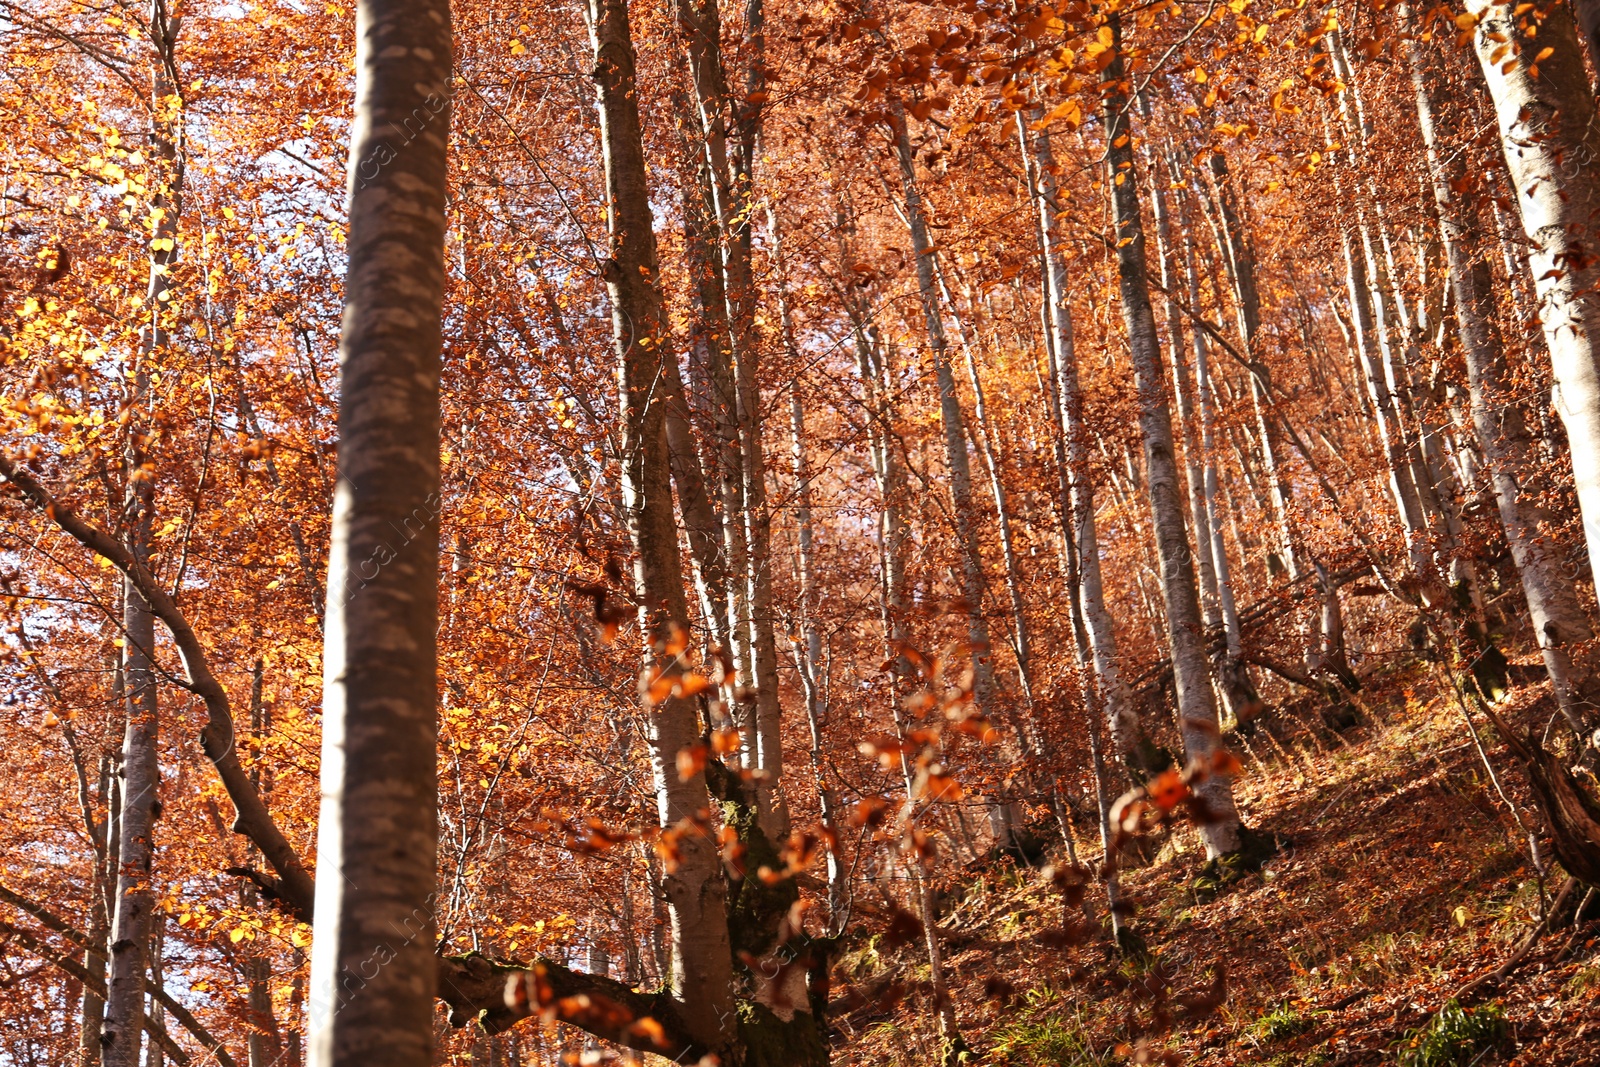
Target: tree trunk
[1197,713]
[1071,440]
[700,27]
[1548,128]
[808,650]
[141,772]
[701,980]
[373,964]
[955,438]
[1559,623]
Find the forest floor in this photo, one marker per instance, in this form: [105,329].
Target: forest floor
[1401,878]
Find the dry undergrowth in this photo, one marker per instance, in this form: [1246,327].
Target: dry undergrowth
[1402,878]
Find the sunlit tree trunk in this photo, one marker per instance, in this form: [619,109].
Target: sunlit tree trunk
[1559,622]
[808,650]
[1205,400]
[1548,130]
[1197,713]
[1242,267]
[950,415]
[378,836]
[1070,438]
[132,914]
[701,958]
[730,168]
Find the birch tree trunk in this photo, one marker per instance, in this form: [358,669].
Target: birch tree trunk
[701,980]
[1197,713]
[955,439]
[1071,441]
[373,963]
[700,27]
[1501,422]
[1549,133]
[132,913]
[808,650]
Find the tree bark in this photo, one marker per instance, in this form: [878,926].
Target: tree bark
[1500,419]
[955,438]
[1549,133]
[701,985]
[1071,441]
[1197,713]
[373,965]
[141,772]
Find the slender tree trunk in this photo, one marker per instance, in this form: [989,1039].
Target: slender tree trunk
[701,978]
[1241,259]
[955,440]
[808,650]
[1197,713]
[373,963]
[1205,400]
[700,27]
[1559,622]
[1071,441]
[132,914]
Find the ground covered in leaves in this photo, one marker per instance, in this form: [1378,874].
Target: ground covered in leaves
[1402,878]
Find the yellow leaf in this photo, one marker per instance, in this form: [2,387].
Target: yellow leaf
[517,49]
[237,934]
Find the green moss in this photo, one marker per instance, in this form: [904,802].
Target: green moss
[755,908]
[1255,849]
[770,1042]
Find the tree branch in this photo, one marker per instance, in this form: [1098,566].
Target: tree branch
[294,886]
[54,922]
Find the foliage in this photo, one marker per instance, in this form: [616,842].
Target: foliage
[1285,1021]
[1455,1035]
[1048,1031]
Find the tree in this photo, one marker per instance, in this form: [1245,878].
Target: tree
[372,968]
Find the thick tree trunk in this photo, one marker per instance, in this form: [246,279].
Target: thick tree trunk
[1500,419]
[701,984]
[373,964]
[1197,713]
[1548,129]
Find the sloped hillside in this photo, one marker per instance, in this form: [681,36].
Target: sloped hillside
[1402,881]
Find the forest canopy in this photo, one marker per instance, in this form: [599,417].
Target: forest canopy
[799,532]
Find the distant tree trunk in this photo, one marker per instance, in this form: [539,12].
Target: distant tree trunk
[1205,400]
[1547,123]
[1559,622]
[955,438]
[700,27]
[1070,438]
[1197,713]
[1216,598]
[808,650]
[1242,263]
[134,908]
[701,979]
[378,836]
[93,1014]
